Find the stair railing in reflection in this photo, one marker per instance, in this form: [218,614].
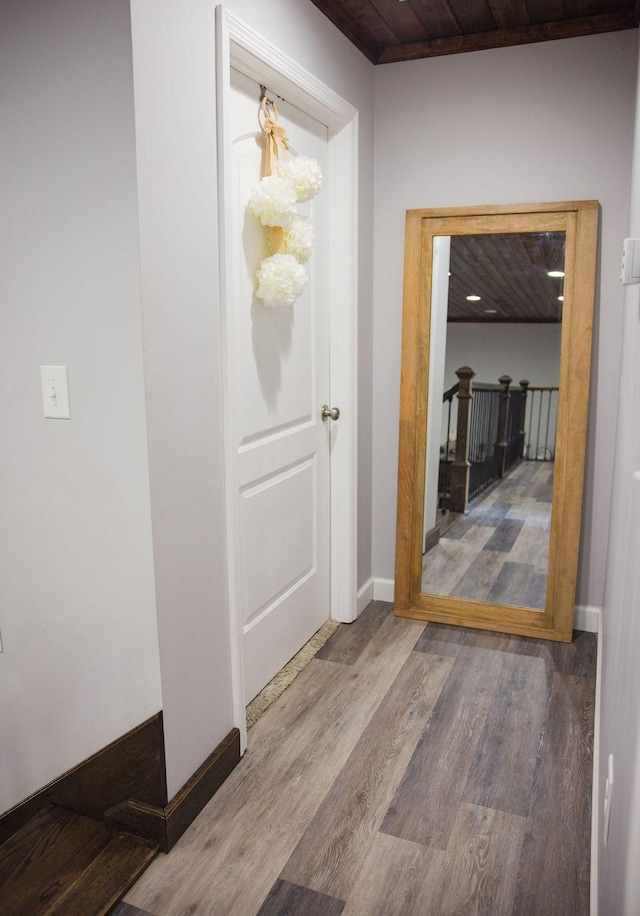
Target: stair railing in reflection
[539,424]
[496,426]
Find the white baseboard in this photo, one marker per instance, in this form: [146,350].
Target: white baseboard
[595,794]
[587,617]
[383,589]
[365,595]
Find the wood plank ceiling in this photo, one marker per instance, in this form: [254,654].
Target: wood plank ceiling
[510,274]
[388,31]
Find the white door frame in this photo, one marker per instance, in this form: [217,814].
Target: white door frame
[239,46]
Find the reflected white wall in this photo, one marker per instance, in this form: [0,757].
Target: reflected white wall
[438,349]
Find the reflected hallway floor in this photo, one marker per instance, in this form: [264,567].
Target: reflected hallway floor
[411,769]
[498,551]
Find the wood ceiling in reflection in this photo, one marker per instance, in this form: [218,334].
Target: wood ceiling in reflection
[388,31]
[510,273]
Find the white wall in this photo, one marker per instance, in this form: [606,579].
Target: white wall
[550,121]
[176,150]
[618,873]
[174,75]
[530,351]
[436,385]
[80,663]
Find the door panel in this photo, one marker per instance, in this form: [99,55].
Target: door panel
[285,495]
[279,380]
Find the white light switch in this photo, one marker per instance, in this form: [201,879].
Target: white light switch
[630,262]
[55,392]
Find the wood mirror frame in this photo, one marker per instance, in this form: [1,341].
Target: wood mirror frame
[579,220]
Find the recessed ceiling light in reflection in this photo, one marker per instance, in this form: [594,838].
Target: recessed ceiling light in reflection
[555,273]
[491,311]
[473,298]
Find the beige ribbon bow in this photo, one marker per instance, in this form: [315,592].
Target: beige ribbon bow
[275,136]
[274,139]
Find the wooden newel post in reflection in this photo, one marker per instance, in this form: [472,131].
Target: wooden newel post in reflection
[501,449]
[460,466]
[524,384]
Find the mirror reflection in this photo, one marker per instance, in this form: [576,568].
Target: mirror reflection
[494,371]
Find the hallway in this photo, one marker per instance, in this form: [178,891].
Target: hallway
[410,769]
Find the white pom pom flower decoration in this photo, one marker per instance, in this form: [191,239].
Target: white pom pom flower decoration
[273,201]
[304,173]
[299,238]
[281,279]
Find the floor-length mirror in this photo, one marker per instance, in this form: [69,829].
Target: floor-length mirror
[496,318]
[496,351]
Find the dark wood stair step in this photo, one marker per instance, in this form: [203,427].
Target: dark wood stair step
[63,863]
[107,879]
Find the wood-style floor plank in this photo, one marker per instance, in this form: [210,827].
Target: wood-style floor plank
[252,825]
[532,510]
[484,639]
[536,594]
[427,800]
[577,657]
[349,641]
[501,776]
[458,530]
[293,900]
[532,546]
[481,863]
[329,856]
[490,512]
[505,535]
[554,867]
[397,879]
[512,584]
[480,576]
[445,564]
[440,639]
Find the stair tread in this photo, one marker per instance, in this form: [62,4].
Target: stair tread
[39,862]
[63,863]
[105,881]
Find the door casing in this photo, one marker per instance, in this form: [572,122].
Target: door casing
[239,46]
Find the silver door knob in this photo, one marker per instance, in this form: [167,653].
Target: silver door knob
[330,413]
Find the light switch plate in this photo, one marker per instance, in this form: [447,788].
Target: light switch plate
[630,262]
[55,392]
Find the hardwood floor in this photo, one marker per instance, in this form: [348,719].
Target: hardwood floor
[499,550]
[64,864]
[410,770]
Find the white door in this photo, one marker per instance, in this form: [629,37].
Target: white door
[278,382]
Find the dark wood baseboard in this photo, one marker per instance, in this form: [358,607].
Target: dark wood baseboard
[164,825]
[133,766]
[125,785]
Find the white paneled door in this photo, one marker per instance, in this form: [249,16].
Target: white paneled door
[278,382]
